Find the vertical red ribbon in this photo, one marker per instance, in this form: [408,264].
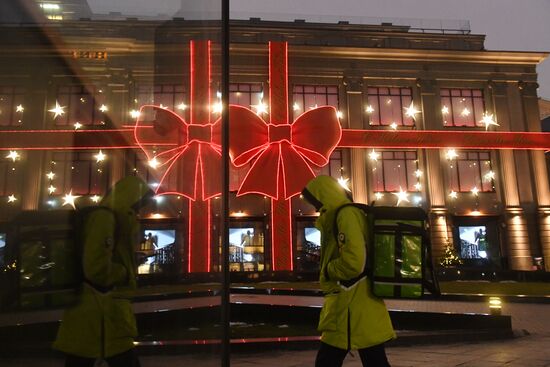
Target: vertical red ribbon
[199,210]
[281,212]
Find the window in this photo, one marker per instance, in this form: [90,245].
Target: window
[171,96]
[306,97]
[308,245]
[471,169]
[462,107]
[386,106]
[83,105]
[79,173]
[395,170]
[246,246]
[11,106]
[245,94]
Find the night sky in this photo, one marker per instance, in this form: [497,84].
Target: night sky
[509,25]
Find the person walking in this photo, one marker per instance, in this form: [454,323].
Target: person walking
[352,318]
[101,326]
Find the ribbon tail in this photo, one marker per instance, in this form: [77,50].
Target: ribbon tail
[263,176]
[296,171]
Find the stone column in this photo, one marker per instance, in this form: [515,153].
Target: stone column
[354,93]
[538,163]
[435,183]
[517,234]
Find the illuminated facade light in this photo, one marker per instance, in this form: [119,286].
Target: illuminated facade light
[445,110]
[238,214]
[134,114]
[157,216]
[100,157]
[374,155]
[50,6]
[13,155]
[401,196]
[153,163]
[260,108]
[411,111]
[465,112]
[217,107]
[58,110]
[488,120]
[69,199]
[339,114]
[451,154]
[344,182]
[369,109]
[475,213]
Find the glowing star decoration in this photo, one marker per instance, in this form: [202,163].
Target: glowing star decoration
[260,108]
[58,110]
[489,176]
[163,106]
[451,154]
[217,107]
[453,195]
[418,173]
[182,106]
[103,108]
[344,182]
[69,199]
[445,110]
[378,195]
[411,111]
[374,155]
[153,163]
[13,155]
[339,114]
[50,175]
[465,112]
[295,107]
[100,157]
[418,186]
[12,199]
[77,125]
[488,120]
[369,109]
[52,189]
[393,126]
[95,198]
[135,114]
[475,190]
[19,108]
[401,196]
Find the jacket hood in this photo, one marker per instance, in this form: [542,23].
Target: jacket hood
[328,192]
[126,194]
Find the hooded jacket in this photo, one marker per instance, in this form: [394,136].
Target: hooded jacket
[101,324]
[351,317]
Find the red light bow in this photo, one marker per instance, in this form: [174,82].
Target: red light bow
[182,149]
[287,149]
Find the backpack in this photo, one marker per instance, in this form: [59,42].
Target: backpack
[399,262]
[47,249]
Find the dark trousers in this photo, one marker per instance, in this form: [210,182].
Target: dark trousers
[329,356]
[126,359]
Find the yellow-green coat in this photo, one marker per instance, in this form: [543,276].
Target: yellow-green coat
[351,318]
[102,324]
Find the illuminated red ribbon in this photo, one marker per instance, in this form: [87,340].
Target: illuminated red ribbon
[285,149]
[195,156]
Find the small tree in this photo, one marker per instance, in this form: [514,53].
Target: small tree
[450,258]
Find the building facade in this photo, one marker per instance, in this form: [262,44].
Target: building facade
[72,96]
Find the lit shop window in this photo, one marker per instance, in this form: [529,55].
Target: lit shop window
[308,245]
[462,107]
[170,96]
[83,105]
[470,171]
[159,249]
[246,94]
[246,246]
[389,106]
[394,171]
[12,108]
[78,173]
[306,97]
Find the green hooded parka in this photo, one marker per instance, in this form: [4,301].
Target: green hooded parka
[102,324]
[351,318]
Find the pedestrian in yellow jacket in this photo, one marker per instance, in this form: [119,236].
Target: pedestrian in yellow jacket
[102,325]
[351,317]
